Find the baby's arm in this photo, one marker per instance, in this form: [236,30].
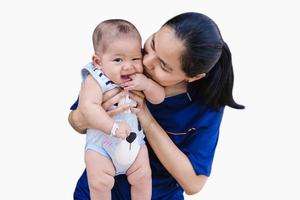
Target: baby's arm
[154,92]
[90,99]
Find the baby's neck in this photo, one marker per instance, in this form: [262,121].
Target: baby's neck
[176,89]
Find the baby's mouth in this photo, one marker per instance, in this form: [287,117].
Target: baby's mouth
[126,77]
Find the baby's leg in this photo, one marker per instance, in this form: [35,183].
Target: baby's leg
[139,176]
[100,173]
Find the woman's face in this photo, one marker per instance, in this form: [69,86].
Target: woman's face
[162,53]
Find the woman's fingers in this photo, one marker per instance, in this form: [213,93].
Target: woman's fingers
[118,110]
[111,93]
[135,110]
[112,100]
[113,97]
[138,97]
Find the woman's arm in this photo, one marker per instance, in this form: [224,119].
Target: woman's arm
[77,119]
[167,152]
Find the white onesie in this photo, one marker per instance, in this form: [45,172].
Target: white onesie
[104,143]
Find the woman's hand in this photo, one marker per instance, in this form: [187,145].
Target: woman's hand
[111,98]
[141,110]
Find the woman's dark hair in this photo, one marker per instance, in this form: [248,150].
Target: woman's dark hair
[205,52]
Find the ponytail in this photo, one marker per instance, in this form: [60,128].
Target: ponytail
[216,88]
[205,52]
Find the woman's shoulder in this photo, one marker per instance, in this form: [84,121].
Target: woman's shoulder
[181,114]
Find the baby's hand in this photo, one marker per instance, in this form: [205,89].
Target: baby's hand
[138,82]
[123,130]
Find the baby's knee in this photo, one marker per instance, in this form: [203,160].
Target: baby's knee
[146,174]
[140,177]
[101,183]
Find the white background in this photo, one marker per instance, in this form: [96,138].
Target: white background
[43,45]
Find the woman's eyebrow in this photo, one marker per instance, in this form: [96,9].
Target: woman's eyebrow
[153,43]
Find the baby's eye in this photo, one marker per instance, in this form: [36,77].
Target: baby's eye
[135,59]
[118,60]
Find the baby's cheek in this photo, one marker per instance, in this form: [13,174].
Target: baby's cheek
[140,68]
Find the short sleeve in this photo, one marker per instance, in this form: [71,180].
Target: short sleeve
[104,82]
[201,145]
[75,104]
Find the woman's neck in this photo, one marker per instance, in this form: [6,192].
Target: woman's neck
[176,89]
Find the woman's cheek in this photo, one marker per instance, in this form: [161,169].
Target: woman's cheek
[160,79]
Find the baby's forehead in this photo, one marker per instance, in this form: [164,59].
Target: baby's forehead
[112,36]
[115,30]
[109,39]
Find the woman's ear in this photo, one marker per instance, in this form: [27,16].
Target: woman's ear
[96,61]
[197,77]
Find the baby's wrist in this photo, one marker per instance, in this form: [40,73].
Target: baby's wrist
[147,84]
[114,129]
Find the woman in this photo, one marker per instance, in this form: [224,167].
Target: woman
[190,59]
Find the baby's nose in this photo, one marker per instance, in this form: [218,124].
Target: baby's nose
[127,66]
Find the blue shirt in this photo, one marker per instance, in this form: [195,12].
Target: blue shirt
[192,126]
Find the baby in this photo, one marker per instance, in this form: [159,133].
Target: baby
[115,145]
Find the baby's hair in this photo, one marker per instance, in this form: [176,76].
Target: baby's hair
[112,29]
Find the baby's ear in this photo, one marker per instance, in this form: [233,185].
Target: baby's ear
[96,61]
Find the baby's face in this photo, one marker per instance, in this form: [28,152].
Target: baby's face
[122,58]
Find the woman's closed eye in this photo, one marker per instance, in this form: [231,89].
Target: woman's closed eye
[163,67]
